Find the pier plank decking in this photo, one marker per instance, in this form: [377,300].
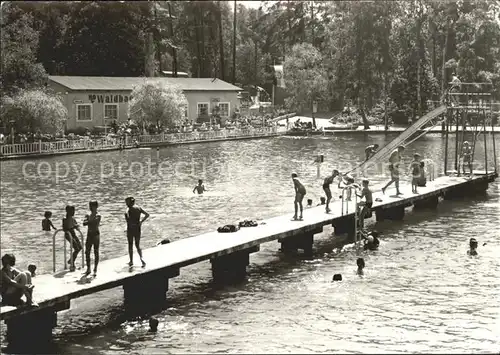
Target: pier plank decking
[53,289]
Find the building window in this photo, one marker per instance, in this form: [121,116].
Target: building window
[202,108]
[83,112]
[224,109]
[111,111]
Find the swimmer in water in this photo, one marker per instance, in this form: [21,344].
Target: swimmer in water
[371,241]
[370,150]
[47,223]
[361,265]
[200,188]
[473,247]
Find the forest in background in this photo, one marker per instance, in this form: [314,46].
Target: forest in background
[380,56]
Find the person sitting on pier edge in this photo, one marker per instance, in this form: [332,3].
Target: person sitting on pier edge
[326,187]
[370,150]
[347,180]
[134,222]
[473,247]
[200,188]
[14,283]
[300,192]
[361,265]
[92,221]
[47,223]
[366,204]
[32,269]
[466,157]
[394,160]
[69,225]
[415,172]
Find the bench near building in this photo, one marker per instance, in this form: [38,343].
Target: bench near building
[98,101]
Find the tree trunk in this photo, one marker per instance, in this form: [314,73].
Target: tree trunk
[174,51]
[198,46]
[234,44]
[157,38]
[221,43]
[202,44]
[256,79]
[312,22]
[443,72]
[419,45]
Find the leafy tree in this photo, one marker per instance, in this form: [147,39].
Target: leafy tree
[35,111]
[304,76]
[157,104]
[20,68]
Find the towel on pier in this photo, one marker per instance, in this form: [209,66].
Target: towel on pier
[248,223]
[228,228]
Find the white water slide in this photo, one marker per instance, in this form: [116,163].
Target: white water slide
[415,127]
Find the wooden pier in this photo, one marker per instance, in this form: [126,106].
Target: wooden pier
[228,253]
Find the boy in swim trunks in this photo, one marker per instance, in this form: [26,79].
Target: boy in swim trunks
[347,180]
[366,204]
[200,188]
[92,221]
[134,222]
[326,187]
[300,192]
[415,172]
[394,160]
[69,226]
[467,157]
[46,222]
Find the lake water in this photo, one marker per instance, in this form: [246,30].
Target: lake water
[420,292]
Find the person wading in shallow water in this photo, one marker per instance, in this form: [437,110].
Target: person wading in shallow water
[134,222]
[394,161]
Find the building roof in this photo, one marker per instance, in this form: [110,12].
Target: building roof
[127,83]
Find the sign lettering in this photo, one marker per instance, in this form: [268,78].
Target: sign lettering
[109,98]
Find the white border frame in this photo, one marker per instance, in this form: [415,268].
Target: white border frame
[228,108]
[91,113]
[117,111]
[198,111]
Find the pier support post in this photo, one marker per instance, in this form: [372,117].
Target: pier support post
[33,331]
[394,213]
[294,243]
[232,268]
[430,202]
[344,225]
[147,289]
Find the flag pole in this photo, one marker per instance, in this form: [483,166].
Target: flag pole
[273,81]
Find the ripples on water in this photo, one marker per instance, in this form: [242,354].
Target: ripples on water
[420,291]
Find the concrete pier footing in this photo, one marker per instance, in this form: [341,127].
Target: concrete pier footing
[344,225]
[232,268]
[396,213]
[431,202]
[33,331]
[148,290]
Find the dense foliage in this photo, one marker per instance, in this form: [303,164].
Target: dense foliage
[391,54]
[158,105]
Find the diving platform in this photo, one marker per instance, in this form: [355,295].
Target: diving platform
[228,252]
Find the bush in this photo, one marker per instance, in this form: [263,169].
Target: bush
[78,131]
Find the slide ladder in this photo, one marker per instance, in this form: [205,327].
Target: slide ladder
[415,127]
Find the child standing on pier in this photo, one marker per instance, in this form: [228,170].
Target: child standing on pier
[69,226]
[92,221]
[326,187]
[415,172]
[300,192]
[394,160]
[134,222]
[366,204]
[466,157]
[347,180]
[47,223]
